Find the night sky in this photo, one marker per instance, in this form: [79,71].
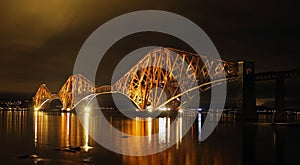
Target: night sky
[39,40]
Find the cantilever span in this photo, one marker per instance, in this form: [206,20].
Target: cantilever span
[75,85]
[163,77]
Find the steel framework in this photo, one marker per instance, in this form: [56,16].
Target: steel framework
[163,77]
[75,89]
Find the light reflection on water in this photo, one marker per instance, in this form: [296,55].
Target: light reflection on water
[39,133]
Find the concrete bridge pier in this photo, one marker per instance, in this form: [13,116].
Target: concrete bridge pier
[246,91]
[279,101]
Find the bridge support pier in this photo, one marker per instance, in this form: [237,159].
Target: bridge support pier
[279,101]
[246,91]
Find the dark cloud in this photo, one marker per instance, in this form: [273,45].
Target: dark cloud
[39,40]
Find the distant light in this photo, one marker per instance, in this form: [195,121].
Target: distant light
[180,111]
[164,109]
[87,109]
[149,108]
[36,108]
[68,109]
[86,148]
[199,109]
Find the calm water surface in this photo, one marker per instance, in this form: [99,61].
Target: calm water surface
[29,137]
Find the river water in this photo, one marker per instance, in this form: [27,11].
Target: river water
[37,137]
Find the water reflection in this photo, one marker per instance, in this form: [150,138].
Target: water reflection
[154,134]
[39,133]
[199,126]
[62,128]
[86,132]
[66,129]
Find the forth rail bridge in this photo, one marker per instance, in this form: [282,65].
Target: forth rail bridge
[166,77]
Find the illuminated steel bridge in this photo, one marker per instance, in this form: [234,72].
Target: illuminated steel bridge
[163,77]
